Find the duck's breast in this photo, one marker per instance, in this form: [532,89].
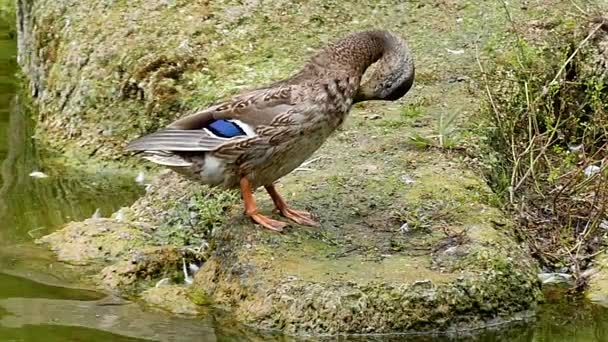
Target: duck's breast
[296,147]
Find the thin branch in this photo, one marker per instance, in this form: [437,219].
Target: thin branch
[576,51]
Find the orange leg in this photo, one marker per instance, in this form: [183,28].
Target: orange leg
[251,209]
[299,217]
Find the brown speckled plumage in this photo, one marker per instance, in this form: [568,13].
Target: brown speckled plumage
[287,121]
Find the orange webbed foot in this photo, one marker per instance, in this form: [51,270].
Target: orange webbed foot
[251,209]
[267,222]
[300,217]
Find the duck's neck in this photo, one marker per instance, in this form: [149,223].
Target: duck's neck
[354,53]
[352,56]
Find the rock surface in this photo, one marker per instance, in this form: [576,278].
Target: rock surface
[357,275]
[598,281]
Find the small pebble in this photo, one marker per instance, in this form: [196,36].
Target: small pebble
[193,268]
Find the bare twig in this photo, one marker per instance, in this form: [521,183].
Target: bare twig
[487,86]
[572,55]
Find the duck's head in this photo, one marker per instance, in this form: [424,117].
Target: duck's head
[393,73]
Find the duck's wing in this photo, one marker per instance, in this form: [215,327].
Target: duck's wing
[210,128]
[256,108]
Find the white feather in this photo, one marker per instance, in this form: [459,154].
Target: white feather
[141,177]
[167,159]
[213,170]
[214,135]
[38,174]
[249,131]
[187,279]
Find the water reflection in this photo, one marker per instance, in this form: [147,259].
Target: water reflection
[35,303]
[32,206]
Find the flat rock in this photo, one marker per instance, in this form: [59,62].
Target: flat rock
[359,273]
[597,290]
[171,298]
[95,239]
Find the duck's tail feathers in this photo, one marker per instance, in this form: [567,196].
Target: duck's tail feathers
[177,140]
[166,158]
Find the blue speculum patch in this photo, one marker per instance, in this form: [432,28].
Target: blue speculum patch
[225,129]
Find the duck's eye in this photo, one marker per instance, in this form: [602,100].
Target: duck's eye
[388,84]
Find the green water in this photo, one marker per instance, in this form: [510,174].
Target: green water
[38,301]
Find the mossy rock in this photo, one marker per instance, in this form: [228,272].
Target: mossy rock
[597,291]
[142,267]
[105,72]
[123,253]
[359,273]
[95,239]
[171,298]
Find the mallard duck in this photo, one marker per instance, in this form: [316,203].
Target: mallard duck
[259,136]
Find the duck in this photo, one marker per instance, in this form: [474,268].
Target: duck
[254,138]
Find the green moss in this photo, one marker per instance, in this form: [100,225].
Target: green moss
[8,15]
[95,240]
[173,299]
[189,222]
[273,285]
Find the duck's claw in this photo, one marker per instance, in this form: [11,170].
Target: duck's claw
[300,217]
[268,223]
[251,209]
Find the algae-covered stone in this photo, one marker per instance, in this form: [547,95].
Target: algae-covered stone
[597,291]
[95,239]
[132,262]
[171,298]
[364,275]
[455,266]
[145,264]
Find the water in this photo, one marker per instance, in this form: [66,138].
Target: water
[39,303]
